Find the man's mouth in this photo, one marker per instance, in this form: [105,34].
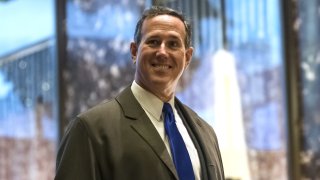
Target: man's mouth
[161,66]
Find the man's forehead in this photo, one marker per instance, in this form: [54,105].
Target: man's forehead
[164,22]
[163,17]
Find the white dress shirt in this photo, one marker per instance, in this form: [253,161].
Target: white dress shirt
[152,105]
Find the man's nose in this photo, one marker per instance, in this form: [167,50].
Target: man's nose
[162,51]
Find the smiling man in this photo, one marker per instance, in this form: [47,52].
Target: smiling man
[145,132]
[162,55]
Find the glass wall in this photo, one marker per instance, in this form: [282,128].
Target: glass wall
[254,37]
[28,95]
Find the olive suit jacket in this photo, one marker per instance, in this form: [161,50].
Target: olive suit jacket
[116,140]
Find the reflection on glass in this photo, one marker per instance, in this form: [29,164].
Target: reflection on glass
[254,37]
[28,102]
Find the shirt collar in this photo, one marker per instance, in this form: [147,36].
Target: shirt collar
[149,101]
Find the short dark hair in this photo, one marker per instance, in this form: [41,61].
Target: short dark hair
[160,10]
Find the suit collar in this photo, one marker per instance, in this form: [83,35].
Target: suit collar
[130,106]
[149,102]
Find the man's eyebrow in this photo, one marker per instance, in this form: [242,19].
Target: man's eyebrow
[153,36]
[173,37]
[157,37]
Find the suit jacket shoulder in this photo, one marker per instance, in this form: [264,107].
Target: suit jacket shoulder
[114,140]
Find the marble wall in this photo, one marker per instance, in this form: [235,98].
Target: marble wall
[307,25]
[98,62]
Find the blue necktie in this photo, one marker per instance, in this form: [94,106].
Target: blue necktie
[179,151]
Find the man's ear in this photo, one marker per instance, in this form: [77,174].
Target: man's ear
[189,53]
[133,51]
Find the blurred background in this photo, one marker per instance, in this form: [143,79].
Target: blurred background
[254,77]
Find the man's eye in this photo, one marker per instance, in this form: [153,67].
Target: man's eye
[174,44]
[153,42]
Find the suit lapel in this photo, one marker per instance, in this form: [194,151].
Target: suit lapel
[195,130]
[148,132]
[144,127]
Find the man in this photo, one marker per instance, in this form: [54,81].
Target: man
[127,138]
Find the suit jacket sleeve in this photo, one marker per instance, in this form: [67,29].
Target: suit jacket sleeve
[76,159]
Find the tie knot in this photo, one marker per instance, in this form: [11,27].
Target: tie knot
[168,113]
[167,108]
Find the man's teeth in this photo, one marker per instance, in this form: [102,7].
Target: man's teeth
[162,66]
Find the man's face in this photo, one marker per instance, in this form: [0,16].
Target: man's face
[161,57]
